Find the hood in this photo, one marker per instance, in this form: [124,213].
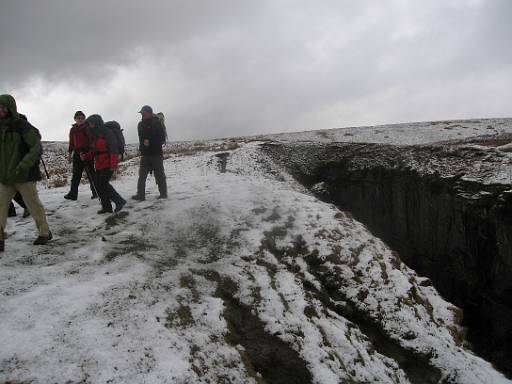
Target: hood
[95,119]
[9,102]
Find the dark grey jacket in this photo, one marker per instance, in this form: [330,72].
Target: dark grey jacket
[152,130]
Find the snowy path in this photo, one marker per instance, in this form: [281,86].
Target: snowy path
[236,273]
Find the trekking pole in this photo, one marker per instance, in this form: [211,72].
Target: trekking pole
[91,180]
[45,170]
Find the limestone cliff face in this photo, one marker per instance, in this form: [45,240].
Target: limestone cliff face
[445,209]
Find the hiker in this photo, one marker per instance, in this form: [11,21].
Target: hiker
[20,153]
[17,197]
[105,152]
[152,136]
[79,144]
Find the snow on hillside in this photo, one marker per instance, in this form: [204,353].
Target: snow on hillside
[394,134]
[241,276]
[403,134]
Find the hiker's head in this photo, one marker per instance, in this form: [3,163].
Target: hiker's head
[79,117]
[8,107]
[146,112]
[94,121]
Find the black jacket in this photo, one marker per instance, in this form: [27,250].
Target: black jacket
[153,130]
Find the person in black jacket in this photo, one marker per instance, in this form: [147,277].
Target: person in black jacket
[151,139]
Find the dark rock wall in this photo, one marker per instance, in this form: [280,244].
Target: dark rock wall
[457,233]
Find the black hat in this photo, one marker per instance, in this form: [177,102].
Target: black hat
[79,113]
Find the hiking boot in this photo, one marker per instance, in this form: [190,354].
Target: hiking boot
[162,197]
[138,198]
[2,245]
[26,213]
[42,240]
[103,210]
[70,197]
[120,206]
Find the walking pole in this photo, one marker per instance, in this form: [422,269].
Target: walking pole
[91,180]
[45,170]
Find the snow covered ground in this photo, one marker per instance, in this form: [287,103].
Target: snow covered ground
[403,134]
[241,276]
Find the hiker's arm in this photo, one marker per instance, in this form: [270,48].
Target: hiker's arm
[70,147]
[33,155]
[71,144]
[161,133]
[88,155]
[141,134]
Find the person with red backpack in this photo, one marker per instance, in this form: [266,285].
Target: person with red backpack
[20,154]
[79,144]
[106,159]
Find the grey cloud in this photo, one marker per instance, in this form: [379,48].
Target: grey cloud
[221,68]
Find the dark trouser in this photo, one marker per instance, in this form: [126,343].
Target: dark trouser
[78,168]
[156,164]
[106,191]
[19,200]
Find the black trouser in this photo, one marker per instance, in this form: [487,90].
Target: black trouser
[106,191]
[17,198]
[153,163]
[78,168]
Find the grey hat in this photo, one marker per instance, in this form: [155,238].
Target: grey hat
[146,108]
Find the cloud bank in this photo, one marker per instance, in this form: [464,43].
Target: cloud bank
[228,67]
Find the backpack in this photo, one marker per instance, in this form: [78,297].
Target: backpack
[161,117]
[34,173]
[115,128]
[29,126]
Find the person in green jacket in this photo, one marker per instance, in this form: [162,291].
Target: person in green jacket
[20,153]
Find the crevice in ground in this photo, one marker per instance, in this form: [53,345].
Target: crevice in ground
[267,358]
[437,208]
[416,366]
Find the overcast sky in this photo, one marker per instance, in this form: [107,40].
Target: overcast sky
[222,68]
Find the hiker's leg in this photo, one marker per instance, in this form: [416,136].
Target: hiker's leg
[6,195]
[112,194]
[102,178]
[19,200]
[91,175]
[78,168]
[158,168]
[30,196]
[144,168]
[12,210]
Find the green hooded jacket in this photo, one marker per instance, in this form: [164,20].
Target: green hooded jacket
[20,147]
